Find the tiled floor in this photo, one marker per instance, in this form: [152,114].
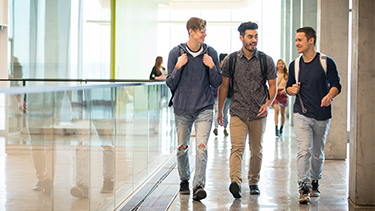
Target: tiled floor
[278,184]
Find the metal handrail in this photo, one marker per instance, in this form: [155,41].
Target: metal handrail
[24,80]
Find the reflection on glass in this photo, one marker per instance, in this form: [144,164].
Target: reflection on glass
[85,149]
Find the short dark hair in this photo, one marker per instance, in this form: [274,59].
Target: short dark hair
[247,26]
[309,33]
[195,23]
[222,56]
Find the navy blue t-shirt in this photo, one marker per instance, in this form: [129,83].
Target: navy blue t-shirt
[314,86]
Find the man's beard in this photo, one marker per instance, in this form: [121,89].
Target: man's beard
[248,47]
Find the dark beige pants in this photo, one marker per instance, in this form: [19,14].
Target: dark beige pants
[239,130]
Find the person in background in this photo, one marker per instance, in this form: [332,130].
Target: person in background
[315,89]
[226,104]
[157,70]
[281,101]
[193,68]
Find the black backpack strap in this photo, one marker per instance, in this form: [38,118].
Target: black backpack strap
[263,67]
[232,66]
[173,91]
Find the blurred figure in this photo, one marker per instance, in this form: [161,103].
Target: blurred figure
[226,104]
[43,110]
[93,112]
[158,72]
[281,100]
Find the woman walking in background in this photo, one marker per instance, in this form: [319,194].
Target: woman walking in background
[281,101]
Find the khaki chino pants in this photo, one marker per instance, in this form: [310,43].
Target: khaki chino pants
[239,130]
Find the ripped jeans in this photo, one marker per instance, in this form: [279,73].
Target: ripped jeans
[202,123]
[311,136]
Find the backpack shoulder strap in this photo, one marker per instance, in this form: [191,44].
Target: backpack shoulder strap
[323,62]
[263,69]
[263,64]
[181,50]
[232,63]
[173,91]
[296,68]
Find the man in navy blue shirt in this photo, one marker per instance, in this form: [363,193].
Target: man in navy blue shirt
[315,88]
[191,75]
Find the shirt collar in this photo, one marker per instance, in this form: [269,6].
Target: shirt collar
[256,54]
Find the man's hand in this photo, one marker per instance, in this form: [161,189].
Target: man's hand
[294,89]
[326,101]
[207,60]
[220,119]
[263,111]
[181,61]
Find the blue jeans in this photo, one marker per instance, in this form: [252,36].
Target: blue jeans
[225,111]
[311,136]
[202,123]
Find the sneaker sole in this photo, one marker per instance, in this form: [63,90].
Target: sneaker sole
[314,194]
[185,192]
[199,195]
[234,189]
[254,192]
[304,200]
[76,192]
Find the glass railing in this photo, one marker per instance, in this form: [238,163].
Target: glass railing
[83,147]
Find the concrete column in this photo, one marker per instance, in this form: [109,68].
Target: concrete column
[296,23]
[282,29]
[362,126]
[332,40]
[295,9]
[51,42]
[309,13]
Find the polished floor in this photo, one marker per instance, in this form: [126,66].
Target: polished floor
[278,184]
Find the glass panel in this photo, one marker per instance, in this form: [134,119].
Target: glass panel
[124,143]
[85,149]
[140,134]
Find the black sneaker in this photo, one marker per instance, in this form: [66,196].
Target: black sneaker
[226,132]
[315,191]
[184,187]
[304,195]
[199,193]
[254,190]
[235,190]
[281,131]
[215,131]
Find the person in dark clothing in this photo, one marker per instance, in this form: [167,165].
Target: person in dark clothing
[249,106]
[316,84]
[157,71]
[226,104]
[193,68]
